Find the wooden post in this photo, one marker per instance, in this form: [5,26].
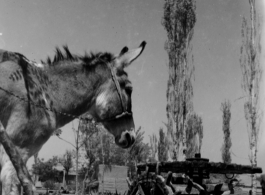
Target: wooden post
[103,163]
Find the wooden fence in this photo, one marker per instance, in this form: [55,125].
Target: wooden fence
[113,184]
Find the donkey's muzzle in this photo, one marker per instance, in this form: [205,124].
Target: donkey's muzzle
[126,139]
[123,130]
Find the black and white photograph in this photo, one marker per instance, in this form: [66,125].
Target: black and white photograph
[132,97]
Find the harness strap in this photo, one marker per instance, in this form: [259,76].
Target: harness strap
[117,85]
[114,78]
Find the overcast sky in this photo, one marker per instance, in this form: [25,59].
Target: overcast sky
[35,27]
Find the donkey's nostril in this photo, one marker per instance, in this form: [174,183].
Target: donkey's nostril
[121,141]
[125,140]
[132,140]
[128,139]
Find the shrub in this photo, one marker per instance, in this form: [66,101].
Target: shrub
[49,184]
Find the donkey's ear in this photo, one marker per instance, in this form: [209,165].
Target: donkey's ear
[126,57]
[123,51]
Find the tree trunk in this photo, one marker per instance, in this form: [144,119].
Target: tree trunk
[254,164]
[64,182]
[84,183]
[102,151]
[76,169]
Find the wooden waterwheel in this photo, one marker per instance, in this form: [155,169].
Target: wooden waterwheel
[150,182]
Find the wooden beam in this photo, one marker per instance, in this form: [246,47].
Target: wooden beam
[211,167]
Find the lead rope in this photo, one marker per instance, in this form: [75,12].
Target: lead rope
[86,119]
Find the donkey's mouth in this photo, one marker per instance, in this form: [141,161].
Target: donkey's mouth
[126,139]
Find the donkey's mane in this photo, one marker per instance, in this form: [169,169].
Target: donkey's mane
[91,58]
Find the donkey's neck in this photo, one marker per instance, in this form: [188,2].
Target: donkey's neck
[72,90]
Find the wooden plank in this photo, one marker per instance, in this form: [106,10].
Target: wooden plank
[111,184]
[211,167]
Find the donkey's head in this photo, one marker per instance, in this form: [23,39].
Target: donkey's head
[113,105]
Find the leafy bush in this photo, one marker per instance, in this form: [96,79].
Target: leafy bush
[49,184]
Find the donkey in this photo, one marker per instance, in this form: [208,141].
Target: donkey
[36,100]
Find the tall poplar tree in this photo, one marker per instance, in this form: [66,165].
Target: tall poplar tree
[153,147]
[250,65]
[179,20]
[226,109]
[162,146]
[194,135]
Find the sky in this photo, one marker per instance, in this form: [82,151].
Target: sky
[35,27]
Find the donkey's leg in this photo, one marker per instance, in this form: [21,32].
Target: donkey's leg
[8,177]
[13,171]
[0,175]
[10,182]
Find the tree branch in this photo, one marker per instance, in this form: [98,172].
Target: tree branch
[67,141]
